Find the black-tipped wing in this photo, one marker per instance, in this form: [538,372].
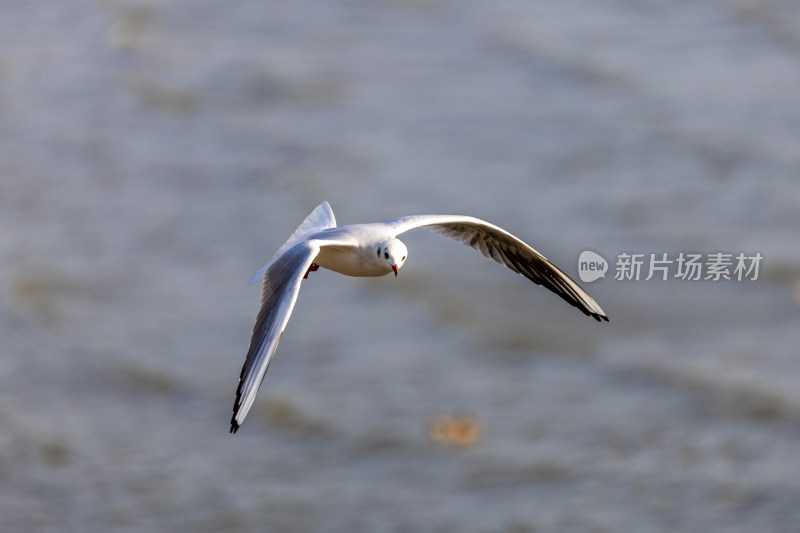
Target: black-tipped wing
[506,249]
[279,293]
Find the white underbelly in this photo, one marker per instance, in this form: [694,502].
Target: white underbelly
[349,262]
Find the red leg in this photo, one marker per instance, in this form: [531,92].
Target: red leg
[313,268]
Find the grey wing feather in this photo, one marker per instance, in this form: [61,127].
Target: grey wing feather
[279,293]
[496,243]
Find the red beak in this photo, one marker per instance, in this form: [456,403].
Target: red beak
[394,267]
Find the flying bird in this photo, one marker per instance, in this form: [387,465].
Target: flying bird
[374,250]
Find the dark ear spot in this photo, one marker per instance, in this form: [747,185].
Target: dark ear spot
[404,258]
[379,252]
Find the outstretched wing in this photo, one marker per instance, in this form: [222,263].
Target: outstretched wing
[321,218]
[506,249]
[279,293]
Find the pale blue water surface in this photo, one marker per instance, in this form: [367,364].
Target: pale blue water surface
[153,155]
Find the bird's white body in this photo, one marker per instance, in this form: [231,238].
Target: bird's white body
[360,257]
[369,250]
[351,261]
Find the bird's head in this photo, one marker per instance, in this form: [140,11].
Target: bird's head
[392,253]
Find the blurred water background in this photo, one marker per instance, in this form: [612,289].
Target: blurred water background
[153,155]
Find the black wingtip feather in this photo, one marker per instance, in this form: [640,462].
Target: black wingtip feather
[236,405]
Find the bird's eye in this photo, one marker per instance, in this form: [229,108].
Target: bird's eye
[386,255]
[404,258]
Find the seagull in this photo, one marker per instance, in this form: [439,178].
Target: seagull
[370,250]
